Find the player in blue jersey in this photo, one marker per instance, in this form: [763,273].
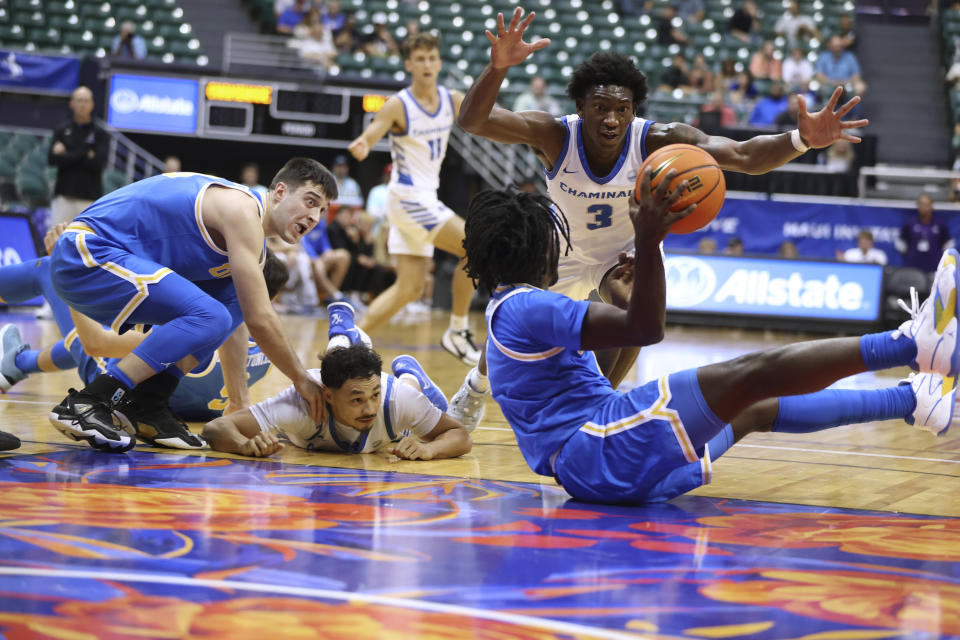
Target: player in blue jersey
[418,120]
[656,441]
[369,410]
[182,253]
[89,348]
[591,160]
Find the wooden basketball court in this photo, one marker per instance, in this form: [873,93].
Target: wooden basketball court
[845,533]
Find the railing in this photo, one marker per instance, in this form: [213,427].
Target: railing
[944,177]
[248,51]
[129,158]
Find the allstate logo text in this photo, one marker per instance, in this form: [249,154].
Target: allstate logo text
[690,281]
[129,101]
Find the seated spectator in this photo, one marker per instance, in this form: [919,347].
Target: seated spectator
[727,75]
[349,190]
[667,32]
[171,164]
[328,265]
[319,47]
[675,77]
[380,43]
[835,66]
[847,34]
[787,119]
[716,114]
[839,157]
[701,75]
[768,107]
[333,18]
[743,24]
[734,247]
[128,44]
[795,26]
[788,250]
[291,16]
[302,30]
[412,29]
[377,209]
[250,177]
[765,63]
[536,98]
[797,70]
[690,10]
[707,246]
[635,7]
[864,252]
[352,232]
[742,91]
[279,6]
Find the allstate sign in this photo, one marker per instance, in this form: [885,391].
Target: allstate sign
[153,103]
[769,287]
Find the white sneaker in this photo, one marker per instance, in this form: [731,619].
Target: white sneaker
[10,345]
[933,326]
[466,406]
[460,345]
[935,397]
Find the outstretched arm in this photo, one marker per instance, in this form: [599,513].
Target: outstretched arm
[479,113]
[761,154]
[389,118]
[240,433]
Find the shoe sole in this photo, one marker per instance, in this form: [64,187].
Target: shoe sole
[91,436]
[173,443]
[430,390]
[945,309]
[456,353]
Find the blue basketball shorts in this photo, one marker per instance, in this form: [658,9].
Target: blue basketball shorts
[647,445]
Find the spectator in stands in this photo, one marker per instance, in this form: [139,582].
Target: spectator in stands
[744,24]
[701,75]
[333,18]
[787,119]
[675,77]
[797,70]
[839,157]
[742,91]
[765,63]
[127,44]
[635,7]
[768,107]
[835,66]
[727,74]
[734,247]
[381,42]
[690,10]
[250,177]
[923,238]
[319,47]
[291,16]
[412,29]
[349,190]
[172,164]
[788,250]
[79,151]
[716,114]
[327,265]
[536,98]
[667,32]
[351,232]
[795,26]
[847,34]
[377,209]
[707,246]
[864,252]
[302,30]
[279,6]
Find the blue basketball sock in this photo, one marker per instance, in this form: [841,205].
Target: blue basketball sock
[26,361]
[115,372]
[836,407]
[881,351]
[61,357]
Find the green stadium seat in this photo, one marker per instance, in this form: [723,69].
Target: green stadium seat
[113,180]
[32,187]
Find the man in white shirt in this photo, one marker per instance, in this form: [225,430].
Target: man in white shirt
[367,409]
[865,252]
[796,26]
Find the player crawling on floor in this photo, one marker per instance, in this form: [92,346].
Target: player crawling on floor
[367,409]
[657,441]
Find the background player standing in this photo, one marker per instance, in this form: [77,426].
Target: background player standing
[418,120]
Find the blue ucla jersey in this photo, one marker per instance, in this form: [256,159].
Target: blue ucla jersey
[160,219]
[200,395]
[597,207]
[545,385]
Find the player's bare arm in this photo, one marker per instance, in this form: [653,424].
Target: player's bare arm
[480,115]
[642,323]
[390,118]
[761,154]
[240,433]
[103,343]
[448,439]
[233,215]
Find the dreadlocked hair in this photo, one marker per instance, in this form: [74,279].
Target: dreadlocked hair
[511,237]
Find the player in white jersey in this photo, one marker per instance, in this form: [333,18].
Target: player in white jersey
[592,158]
[367,409]
[419,119]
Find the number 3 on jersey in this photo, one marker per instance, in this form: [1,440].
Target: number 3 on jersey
[603,216]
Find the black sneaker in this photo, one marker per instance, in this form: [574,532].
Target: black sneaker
[8,441]
[157,425]
[84,417]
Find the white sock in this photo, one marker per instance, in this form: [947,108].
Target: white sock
[338,341]
[459,323]
[477,381]
[409,378]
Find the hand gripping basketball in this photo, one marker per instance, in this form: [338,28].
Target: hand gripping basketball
[705,189]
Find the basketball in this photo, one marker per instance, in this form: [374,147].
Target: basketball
[706,187]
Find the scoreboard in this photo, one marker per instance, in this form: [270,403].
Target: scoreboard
[240,109]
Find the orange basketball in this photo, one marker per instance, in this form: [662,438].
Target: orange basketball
[706,187]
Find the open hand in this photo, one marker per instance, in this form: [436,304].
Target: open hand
[823,128]
[651,216]
[507,47]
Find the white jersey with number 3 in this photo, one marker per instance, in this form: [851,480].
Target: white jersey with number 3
[596,207]
[418,152]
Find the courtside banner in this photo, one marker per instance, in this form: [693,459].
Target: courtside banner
[835,291]
[18,244]
[52,73]
[153,103]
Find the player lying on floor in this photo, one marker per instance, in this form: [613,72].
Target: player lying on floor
[367,409]
[656,441]
[89,347]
